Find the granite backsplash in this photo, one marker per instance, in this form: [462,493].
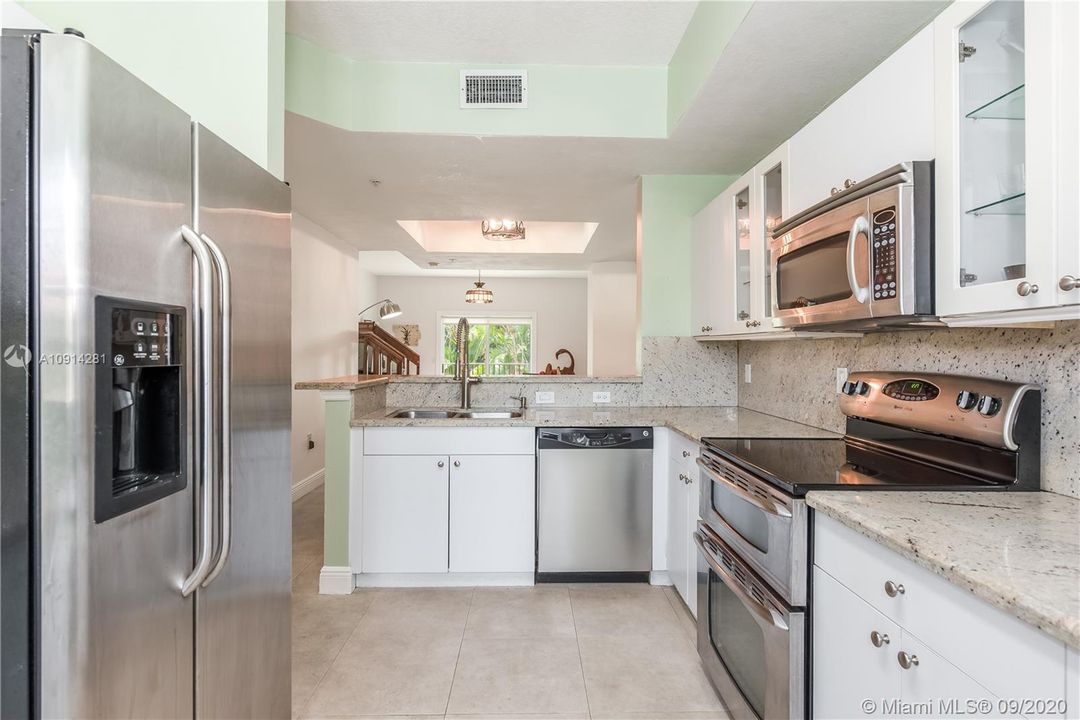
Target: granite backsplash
[676,371]
[796,379]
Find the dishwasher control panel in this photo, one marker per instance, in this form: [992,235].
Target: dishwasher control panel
[595,438]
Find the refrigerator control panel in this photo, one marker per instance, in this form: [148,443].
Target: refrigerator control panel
[140,405]
[141,338]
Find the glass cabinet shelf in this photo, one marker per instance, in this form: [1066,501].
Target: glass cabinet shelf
[1011,205]
[1009,106]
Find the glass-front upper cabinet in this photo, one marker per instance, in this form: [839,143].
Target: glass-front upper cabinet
[995,179]
[751,208]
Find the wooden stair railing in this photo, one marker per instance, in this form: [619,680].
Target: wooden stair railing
[380,353]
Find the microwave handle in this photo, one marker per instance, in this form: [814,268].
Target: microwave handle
[861,225]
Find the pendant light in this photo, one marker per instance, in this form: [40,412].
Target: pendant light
[479,295]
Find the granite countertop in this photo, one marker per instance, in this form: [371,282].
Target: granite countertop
[524,379]
[693,422]
[1018,551]
[345,382]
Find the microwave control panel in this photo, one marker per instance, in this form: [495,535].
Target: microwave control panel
[883,233]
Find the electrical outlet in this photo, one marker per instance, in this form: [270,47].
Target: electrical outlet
[746,373]
[841,378]
[601,397]
[545,398]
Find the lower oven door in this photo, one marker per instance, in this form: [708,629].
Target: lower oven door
[753,646]
[766,527]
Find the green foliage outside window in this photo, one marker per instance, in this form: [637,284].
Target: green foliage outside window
[496,347]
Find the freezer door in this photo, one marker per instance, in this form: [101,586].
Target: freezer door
[113,189]
[243,614]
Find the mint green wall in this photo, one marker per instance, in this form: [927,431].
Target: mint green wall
[336,483]
[222,62]
[667,204]
[564,100]
[710,28]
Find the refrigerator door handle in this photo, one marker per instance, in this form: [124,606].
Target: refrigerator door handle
[224,390]
[203,367]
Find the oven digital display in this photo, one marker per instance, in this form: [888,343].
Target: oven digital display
[911,390]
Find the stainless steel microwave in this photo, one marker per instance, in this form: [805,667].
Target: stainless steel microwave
[862,258]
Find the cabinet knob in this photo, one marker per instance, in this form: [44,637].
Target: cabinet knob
[457,463]
[848,183]
[879,639]
[907,661]
[1068,282]
[834,191]
[441,464]
[686,453]
[1025,288]
[893,589]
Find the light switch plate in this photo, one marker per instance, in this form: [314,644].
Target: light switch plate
[601,397]
[746,373]
[841,378]
[545,398]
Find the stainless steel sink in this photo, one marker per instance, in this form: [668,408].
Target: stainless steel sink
[414,414]
[425,414]
[487,414]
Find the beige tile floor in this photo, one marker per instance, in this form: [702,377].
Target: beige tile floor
[566,652]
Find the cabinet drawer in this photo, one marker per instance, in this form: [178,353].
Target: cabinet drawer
[449,441]
[965,630]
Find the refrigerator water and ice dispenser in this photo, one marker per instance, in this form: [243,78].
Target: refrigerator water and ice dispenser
[140,408]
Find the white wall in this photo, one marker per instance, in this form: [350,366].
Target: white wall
[327,287]
[559,304]
[612,318]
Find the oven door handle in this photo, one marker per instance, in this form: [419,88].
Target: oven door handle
[860,226]
[764,612]
[773,508]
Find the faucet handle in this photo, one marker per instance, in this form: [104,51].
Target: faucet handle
[522,399]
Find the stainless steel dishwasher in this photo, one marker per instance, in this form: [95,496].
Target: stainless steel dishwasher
[594,504]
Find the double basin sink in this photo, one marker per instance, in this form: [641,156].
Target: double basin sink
[458,414]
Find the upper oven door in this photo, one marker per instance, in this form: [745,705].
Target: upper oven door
[765,526]
[822,268]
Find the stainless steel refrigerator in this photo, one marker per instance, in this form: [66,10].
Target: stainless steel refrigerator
[146,525]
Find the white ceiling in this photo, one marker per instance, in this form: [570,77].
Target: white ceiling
[549,33]
[787,61]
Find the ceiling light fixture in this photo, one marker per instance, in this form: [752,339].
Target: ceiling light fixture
[479,295]
[504,229]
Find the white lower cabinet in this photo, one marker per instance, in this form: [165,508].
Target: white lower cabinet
[492,513]
[447,513]
[405,522]
[944,646]
[682,487]
[849,667]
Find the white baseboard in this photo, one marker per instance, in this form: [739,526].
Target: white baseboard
[497,579]
[308,484]
[335,580]
[660,577]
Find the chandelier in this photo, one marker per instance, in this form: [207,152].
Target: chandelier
[503,229]
[479,295]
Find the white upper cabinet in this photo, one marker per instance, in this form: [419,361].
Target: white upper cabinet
[886,118]
[706,233]
[732,277]
[1006,232]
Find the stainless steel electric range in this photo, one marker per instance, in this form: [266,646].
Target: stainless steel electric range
[904,431]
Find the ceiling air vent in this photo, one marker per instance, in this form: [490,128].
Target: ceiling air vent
[494,89]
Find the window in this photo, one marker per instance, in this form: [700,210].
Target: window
[497,345]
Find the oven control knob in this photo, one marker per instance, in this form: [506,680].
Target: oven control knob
[989,406]
[966,400]
[862,388]
[848,388]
